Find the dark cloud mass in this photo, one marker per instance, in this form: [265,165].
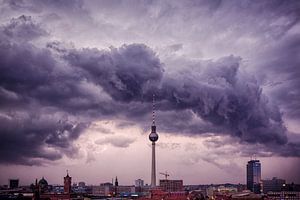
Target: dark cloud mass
[23,29]
[49,94]
[126,73]
[285,88]
[219,93]
[28,138]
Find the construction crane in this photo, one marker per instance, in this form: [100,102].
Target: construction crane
[165,174]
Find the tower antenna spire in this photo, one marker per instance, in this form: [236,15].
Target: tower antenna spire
[153,110]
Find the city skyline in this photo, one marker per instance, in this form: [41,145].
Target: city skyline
[78,77]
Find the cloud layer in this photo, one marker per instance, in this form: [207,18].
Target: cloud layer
[51,90]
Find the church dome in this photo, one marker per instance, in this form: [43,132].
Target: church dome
[43,182]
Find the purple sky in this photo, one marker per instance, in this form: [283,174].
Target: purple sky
[77,79]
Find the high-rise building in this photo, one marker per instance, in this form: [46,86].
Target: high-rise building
[273,185]
[139,183]
[153,137]
[254,176]
[67,184]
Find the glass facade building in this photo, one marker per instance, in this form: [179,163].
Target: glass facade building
[254,176]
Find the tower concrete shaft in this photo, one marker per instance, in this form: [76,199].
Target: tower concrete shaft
[153,169]
[153,137]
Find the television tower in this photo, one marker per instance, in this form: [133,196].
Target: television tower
[153,137]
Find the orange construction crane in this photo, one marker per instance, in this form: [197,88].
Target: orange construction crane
[165,174]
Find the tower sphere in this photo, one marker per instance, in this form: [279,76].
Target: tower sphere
[153,137]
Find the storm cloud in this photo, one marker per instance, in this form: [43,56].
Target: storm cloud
[51,91]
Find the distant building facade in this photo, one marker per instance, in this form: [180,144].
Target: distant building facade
[139,183]
[228,189]
[254,176]
[13,183]
[273,185]
[171,185]
[104,189]
[125,189]
[291,187]
[284,195]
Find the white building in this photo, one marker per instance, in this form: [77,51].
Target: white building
[139,183]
